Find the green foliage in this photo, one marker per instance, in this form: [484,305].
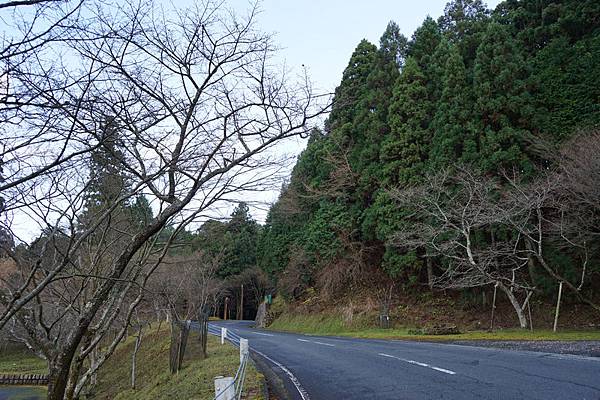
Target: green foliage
[490,89]
[405,149]
[399,265]
[463,24]
[568,77]
[234,242]
[422,49]
[454,135]
[503,102]
[107,181]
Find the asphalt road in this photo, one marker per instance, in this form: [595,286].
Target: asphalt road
[332,368]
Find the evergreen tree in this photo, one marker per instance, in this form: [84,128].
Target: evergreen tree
[503,102]
[353,85]
[422,48]
[463,24]
[239,242]
[454,136]
[141,212]
[465,89]
[393,46]
[107,180]
[107,183]
[568,80]
[405,150]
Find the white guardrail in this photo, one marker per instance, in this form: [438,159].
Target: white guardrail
[230,388]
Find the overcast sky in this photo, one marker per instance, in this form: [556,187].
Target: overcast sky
[321,34]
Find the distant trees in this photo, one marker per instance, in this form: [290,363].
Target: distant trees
[187,288]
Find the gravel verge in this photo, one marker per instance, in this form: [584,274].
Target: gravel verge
[590,348]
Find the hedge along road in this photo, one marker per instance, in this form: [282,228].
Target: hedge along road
[331,368]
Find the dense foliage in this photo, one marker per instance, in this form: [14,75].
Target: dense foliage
[497,90]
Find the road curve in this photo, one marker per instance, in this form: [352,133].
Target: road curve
[332,368]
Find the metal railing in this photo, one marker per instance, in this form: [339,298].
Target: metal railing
[240,375]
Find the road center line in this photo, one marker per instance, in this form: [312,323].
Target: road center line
[325,344]
[315,342]
[263,334]
[446,371]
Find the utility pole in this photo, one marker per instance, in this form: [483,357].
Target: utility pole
[225,311]
[560,285]
[493,307]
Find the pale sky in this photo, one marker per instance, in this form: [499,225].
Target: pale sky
[322,34]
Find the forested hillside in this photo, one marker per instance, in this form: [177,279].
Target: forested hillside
[463,157]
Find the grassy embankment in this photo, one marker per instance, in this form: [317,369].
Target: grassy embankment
[408,320]
[334,325]
[194,381]
[14,360]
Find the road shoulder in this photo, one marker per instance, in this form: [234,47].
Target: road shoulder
[587,348]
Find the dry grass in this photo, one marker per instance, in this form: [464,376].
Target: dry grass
[194,381]
[334,325]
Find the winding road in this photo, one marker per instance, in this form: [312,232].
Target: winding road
[332,368]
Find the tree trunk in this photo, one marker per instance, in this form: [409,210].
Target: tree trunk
[58,375]
[179,335]
[138,342]
[174,349]
[429,273]
[202,336]
[74,373]
[515,303]
[183,337]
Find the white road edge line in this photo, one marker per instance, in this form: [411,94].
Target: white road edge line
[304,340]
[446,371]
[294,380]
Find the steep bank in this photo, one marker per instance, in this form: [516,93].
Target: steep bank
[194,381]
[412,316]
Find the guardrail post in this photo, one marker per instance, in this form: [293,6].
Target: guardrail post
[224,388]
[223,335]
[243,349]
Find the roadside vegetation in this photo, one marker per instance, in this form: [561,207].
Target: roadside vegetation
[195,380]
[459,161]
[333,325]
[20,360]
[416,320]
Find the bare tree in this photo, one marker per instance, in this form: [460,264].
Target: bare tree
[455,217]
[187,287]
[558,210]
[198,104]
